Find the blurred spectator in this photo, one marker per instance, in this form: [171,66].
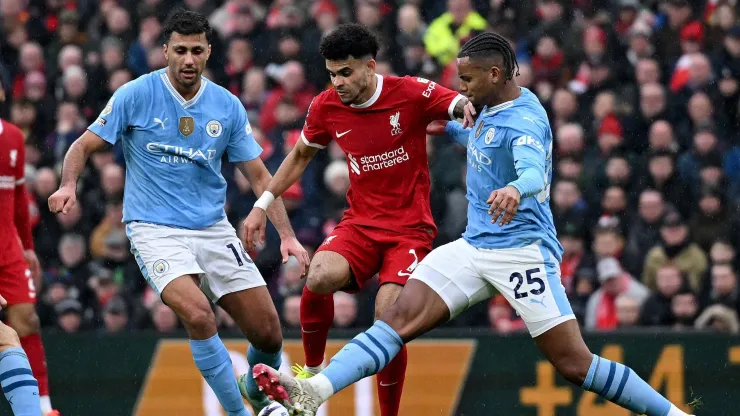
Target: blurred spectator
[657,308]
[644,232]
[685,308]
[675,248]
[447,32]
[292,311]
[293,88]
[628,311]
[601,311]
[345,310]
[719,318]
[502,316]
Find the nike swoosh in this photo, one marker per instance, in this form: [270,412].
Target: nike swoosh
[404,274]
[309,332]
[387,384]
[342,134]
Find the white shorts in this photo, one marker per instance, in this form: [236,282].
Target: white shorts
[529,278]
[215,254]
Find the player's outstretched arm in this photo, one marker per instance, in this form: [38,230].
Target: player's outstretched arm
[74,162]
[452,129]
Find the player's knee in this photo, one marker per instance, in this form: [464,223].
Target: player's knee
[8,338]
[200,320]
[24,320]
[321,281]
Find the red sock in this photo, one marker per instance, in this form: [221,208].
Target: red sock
[37,358]
[317,315]
[390,384]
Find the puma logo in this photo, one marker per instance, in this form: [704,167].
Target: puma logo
[541,301]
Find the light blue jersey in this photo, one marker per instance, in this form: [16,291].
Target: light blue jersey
[173,149]
[510,144]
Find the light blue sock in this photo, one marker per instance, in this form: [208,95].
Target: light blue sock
[254,357]
[213,361]
[19,386]
[619,384]
[365,355]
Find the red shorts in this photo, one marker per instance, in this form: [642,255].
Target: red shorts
[16,284]
[372,251]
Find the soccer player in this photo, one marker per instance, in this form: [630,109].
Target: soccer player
[19,266]
[175,126]
[509,172]
[380,123]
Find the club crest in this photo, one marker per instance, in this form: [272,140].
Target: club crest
[489,135]
[187,126]
[214,128]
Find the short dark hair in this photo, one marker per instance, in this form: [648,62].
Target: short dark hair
[186,22]
[349,40]
[488,45]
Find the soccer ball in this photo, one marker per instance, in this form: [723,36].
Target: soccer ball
[274,409]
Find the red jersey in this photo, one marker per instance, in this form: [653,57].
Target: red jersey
[14,209]
[385,143]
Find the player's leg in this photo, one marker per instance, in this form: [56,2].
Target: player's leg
[329,272]
[185,298]
[168,263]
[233,281]
[390,379]
[346,259]
[255,314]
[443,285]
[24,320]
[20,293]
[564,347]
[16,379]
[529,278]
[399,261]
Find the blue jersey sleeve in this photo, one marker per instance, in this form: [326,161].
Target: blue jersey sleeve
[529,161]
[457,133]
[242,147]
[115,117]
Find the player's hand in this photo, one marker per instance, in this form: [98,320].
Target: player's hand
[292,247]
[63,199]
[254,228]
[437,127]
[33,264]
[469,115]
[504,201]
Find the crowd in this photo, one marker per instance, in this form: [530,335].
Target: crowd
[643,99]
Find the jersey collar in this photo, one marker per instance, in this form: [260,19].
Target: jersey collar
[375,96]
[503,106]
[183,102]
[1,127]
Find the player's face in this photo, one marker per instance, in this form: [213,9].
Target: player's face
[351,78]
[477,81]
[186,57]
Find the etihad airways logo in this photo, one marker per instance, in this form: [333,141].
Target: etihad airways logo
[179,154]
[378,162]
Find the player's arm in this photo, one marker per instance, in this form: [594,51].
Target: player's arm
[440,103]
[108,127]
[22,216]
[529,162]
[74,163]
[452,129]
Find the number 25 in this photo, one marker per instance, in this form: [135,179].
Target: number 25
[531,280]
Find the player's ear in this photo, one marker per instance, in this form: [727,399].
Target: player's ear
[164,50]
[495,74]
[208,55]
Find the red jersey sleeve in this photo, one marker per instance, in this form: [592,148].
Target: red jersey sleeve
[314,132]
[436,101]
[22,218]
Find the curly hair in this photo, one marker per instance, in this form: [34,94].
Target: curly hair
[186,22]
[349,40]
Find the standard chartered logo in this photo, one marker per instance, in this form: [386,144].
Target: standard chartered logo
[179,154]
[379,161]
